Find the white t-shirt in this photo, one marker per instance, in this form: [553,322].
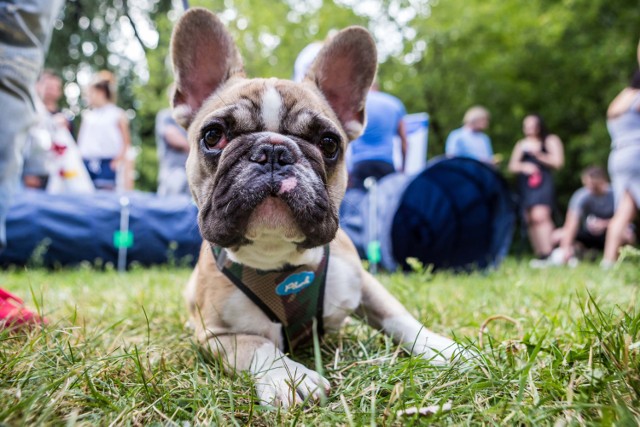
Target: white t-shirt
[100,136]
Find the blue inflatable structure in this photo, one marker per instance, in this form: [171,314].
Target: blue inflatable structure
[103,228]
[456,214]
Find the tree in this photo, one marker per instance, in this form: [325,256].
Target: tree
[91,36]
[563,59]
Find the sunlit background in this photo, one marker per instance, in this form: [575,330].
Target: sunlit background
[565,59]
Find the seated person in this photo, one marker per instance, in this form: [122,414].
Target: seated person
[590,209]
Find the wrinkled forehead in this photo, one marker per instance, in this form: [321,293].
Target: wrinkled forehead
[269,105]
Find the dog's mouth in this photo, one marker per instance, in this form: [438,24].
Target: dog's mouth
[273,218]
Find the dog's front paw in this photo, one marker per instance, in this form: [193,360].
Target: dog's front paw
[288,383]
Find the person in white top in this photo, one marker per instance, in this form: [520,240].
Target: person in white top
[104,138]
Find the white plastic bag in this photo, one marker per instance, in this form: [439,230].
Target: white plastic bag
[68,173]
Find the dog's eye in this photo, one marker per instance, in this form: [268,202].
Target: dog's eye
[329,146]
[214,137]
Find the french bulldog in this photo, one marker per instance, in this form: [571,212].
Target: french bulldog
[267,172]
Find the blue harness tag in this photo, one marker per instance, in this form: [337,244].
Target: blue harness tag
[292,296]
[295,283]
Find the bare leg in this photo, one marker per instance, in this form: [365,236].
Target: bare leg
[625,213]
[556,236]
[533,237]
[540,229]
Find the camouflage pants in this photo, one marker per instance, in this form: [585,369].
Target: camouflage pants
[25,30]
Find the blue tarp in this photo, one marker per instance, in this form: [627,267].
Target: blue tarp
[58,230]
[457,214]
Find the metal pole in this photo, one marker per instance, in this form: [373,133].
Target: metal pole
[373,244]
[124,230]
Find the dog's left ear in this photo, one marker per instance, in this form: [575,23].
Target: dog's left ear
[204,56]
[344,71]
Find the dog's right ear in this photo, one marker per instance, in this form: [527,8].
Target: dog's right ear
[344,71]
[204,56]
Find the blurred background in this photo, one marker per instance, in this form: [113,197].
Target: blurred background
[564,59]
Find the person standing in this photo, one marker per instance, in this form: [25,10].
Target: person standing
[623,123]
[173,150]
[49,89]
[470,140]
[24,39]
[104,139]
[37,155]
[372,153]
[533,159]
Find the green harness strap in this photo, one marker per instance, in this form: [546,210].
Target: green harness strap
[292,296]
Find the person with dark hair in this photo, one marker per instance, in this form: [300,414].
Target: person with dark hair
[590,210]
[623,123]
[104,139]
[533,159]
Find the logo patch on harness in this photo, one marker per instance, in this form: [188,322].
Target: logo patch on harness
[295,283]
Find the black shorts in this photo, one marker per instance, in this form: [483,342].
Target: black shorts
[365,169]
[591,241]
[100,172]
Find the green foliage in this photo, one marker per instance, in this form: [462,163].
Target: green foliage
[563,59]
[92,36]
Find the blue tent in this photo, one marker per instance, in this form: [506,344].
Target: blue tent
[456,214]
[58,230]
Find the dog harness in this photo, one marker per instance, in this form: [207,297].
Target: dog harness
[292,295]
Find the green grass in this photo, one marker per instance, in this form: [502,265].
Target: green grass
[116,352]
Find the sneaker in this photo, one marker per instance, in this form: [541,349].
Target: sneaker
[540,263]
[606,264]
[556,257]
[13,313]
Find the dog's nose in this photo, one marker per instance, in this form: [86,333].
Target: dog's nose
[276,155]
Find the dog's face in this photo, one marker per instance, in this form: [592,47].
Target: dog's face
[267,155]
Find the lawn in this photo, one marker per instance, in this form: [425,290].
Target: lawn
[116,352]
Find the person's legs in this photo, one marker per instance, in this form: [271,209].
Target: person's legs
[540,228]
[625,213]
[24,36]
[629,236]
[556,236]
[533,237]
[11,142]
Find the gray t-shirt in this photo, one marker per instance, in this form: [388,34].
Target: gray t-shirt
[168,156]
[585,203]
